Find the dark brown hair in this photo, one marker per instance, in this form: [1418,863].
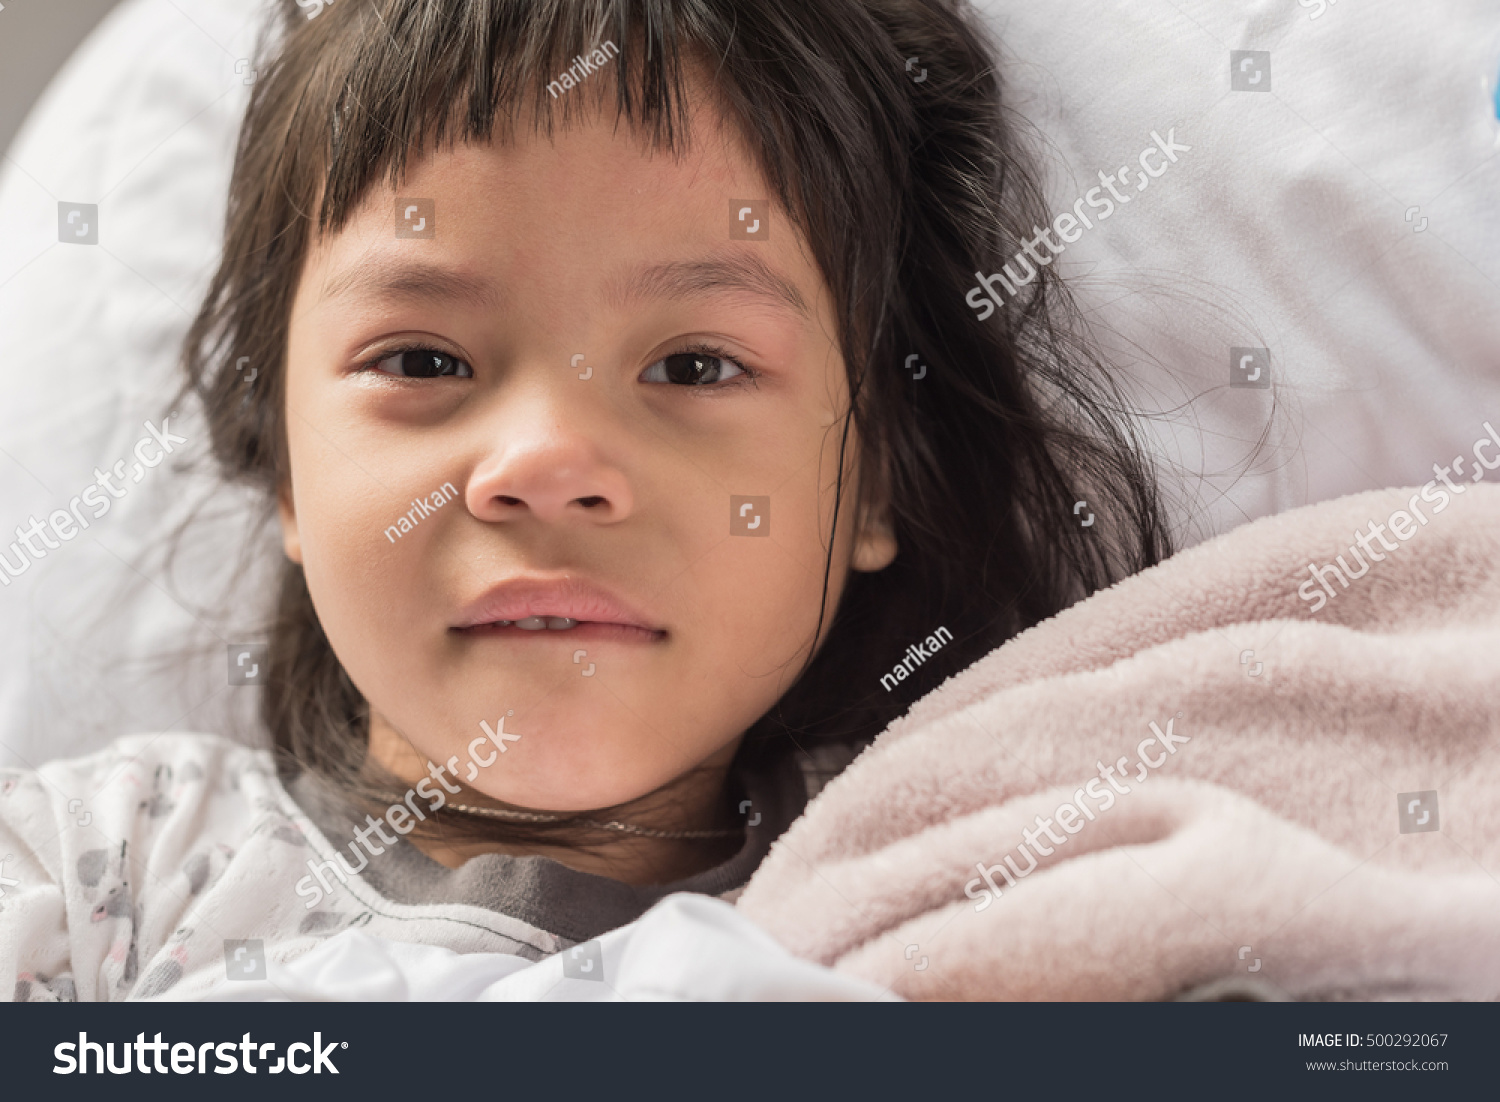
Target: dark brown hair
[904,190]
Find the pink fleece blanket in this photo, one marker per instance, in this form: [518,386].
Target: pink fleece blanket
[1240,763]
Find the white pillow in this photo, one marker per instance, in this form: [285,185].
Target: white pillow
[1282,227]
[141,122]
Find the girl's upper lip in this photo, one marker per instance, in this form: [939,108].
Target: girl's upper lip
[576,598]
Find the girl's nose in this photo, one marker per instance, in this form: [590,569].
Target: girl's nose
[549,472]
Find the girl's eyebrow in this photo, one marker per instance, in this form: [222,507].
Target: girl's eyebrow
[739,272]
[397,278]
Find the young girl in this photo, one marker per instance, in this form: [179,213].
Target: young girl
[637,458]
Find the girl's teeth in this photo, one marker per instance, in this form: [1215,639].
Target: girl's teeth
[540,623]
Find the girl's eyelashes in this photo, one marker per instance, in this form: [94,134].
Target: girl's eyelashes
[418,362]
[698,365]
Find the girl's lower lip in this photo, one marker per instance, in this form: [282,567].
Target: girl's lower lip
[590,630]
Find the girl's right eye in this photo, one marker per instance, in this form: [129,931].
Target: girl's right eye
[420,363]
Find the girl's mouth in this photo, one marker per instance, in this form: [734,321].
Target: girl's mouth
[539,604]
[548,626]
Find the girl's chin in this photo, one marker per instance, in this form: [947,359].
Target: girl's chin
[543,783]
[560,754]
[563,799]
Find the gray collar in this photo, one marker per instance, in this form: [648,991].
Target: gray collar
[573,905]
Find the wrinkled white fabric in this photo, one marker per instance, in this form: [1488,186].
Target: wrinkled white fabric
[140,871]
[176,867]
[687,948]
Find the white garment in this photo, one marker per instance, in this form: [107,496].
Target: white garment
[168,866]
[687,948]
[136,871]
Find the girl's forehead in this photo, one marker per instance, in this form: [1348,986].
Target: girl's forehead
[599,151]
[589,166]
[592,205]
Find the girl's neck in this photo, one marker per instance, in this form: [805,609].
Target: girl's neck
[636,861]
[698,800]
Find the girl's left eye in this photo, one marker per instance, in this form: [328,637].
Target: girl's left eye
[420,363]
[695,367]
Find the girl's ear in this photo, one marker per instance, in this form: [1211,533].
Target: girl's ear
[874,540]
[286,511]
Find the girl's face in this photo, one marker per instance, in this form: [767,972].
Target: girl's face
[579,398]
